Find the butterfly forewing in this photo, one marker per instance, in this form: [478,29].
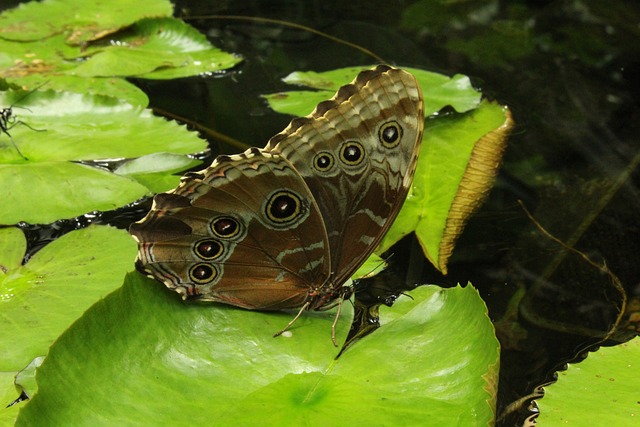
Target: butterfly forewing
[245,231]
[358,152]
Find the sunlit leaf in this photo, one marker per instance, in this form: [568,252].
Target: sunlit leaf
[223,367]
[38,20]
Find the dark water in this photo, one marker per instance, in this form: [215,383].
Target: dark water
[569,71]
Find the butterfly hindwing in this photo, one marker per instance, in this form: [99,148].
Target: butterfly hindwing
[246,231]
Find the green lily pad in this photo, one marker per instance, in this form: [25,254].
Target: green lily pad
[433,362]
[8,394]
[42,298]
[602,390]
[438,90]
[156,49]
[457,165]
[100,41]
[158,172]
[39,20]
[41,192]
[53,127]
[12,248]
[72,126]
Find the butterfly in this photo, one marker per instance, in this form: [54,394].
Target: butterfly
[285,226]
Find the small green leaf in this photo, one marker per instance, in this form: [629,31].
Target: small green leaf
[159,172]
[602,390]
[42,298]
[26,378]
[40,192]
[156,49]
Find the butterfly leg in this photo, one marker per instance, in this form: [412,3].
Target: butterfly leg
[14,144]
[304,307]
[335,322]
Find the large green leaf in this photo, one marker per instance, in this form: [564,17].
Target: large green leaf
[457,165]
[141,356]
[79,21]
[73,126]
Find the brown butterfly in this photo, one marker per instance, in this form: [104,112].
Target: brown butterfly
[286,226]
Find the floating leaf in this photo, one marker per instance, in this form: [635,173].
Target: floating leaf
[159,172]
[438,90]
[79,21]
[43,297]
[102,40]
[456,168]
[223,367]
[601,390]
[156,49]
[53,127]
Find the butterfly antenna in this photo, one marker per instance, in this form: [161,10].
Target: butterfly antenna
[304,307]
[28,93]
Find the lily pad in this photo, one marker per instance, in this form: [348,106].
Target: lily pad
[42,43]
[38,20]
[156,49]
[438,90]
[601,390]
[71,126]
[54,127]
[43,297]
[433,362]
[457,165]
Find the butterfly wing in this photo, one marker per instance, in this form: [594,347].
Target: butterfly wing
[245,231]
[357,153]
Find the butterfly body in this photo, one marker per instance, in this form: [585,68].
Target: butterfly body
[287,225]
